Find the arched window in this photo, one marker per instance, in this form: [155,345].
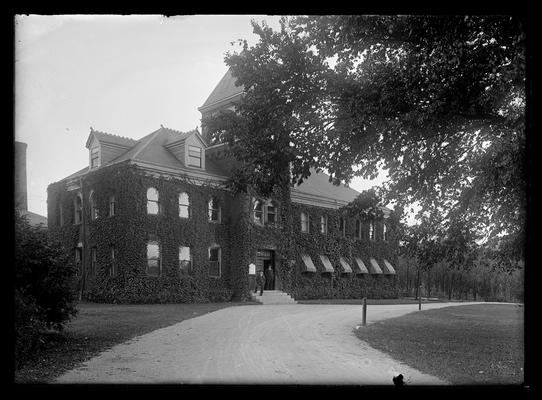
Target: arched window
[258,211]
[384,232]
[153,206]
[358,229]
[304,222]
[371,231]
[93,207]
[184,205]
[78,209]
[214,210]
[323,224]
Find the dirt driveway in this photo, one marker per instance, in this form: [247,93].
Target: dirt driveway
[257,344]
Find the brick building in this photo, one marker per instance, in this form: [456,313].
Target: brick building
[151,220]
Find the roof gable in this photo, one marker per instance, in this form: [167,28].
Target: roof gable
[225,90]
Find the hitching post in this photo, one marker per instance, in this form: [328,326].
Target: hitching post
[420,297]
[364,318]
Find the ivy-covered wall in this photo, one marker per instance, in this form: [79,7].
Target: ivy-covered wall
[237,235]
[291,242]
[130,229]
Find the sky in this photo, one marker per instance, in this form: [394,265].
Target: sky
[124,75]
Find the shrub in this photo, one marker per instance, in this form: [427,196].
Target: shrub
[44,295]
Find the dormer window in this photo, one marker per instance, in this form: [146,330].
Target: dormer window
[194,156]
[94,157]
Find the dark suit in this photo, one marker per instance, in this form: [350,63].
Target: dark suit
[260,282]
[269,278]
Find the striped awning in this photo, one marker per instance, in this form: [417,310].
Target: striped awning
[327,264]
[307,261]
[389,267]
[346,267]
[375,268]
[362,269]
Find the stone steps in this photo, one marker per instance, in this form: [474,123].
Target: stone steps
[273,297]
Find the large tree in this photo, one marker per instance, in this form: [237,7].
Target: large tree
[436,101]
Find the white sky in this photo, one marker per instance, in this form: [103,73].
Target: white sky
[123,75]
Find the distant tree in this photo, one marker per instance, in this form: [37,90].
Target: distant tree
[437,101]
[44,296]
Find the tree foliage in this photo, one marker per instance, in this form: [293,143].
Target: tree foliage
[44,290]
[436,101]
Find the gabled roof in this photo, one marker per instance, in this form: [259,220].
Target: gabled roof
[109,138]
[225,90]
[151,149]
[34,219]
[318,184]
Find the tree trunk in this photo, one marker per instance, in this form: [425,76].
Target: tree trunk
[407,283]
[428,283]
[450,282]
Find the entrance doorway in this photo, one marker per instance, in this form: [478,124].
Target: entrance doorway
[265,261]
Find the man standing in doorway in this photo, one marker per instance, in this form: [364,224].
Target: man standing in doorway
[260,282]
[269,278]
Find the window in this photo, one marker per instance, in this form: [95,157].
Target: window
[214,261]
[264,212]
[185,260]
[323,224]
[271,213]
[258,211]
[78,217]
[304,222]
[93,261]
[153,207]
[184,205]
[78,259]
[214,210]
[371,231]
[112,206]
[93,208]
[154,265]
[60,215]
[194,156]
[384,232]
[342,227]
[358,229]
[94,157]
[113,263]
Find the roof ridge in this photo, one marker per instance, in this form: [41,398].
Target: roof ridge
[177,131]
[92,130]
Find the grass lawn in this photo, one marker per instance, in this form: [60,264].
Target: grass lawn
[98,327]
[465,345]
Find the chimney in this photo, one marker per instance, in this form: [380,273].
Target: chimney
[21,201]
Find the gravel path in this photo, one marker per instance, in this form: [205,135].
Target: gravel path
[258,344]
